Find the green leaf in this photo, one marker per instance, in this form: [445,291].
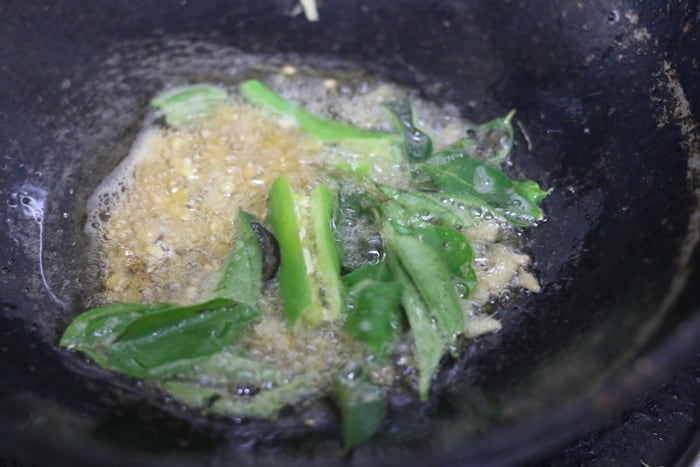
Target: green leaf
[242,277]
[415,209]
[429,341]
[375,314]
[473,208]
[372,272]
[373,302]
[417,143]
[184,105]
[489,142]
[162,343]
[430,344]
[431,276]
[362,407]
[155,340]
[454,172]
[456,251]
[100,326]
[453,246]
[493,140]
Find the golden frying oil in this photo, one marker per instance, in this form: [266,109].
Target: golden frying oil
[161,223]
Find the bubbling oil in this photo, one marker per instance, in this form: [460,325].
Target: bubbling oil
[161,224]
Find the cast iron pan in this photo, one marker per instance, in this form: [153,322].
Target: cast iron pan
[607,96]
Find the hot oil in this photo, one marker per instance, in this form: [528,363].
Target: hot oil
[161,223]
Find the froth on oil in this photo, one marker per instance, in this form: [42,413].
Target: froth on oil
[161,224]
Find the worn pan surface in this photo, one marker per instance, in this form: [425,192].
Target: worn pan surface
[608,98]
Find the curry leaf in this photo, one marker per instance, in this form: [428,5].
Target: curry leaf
[148,340]
[453,246]
[456,251]
[432,278]
[100,326]
[428,339]
[362,407]
[374,313]
[454,172]
[372,272]
[489,142]
[417,143]
[494,139]
[184,105]
[166,338]
[416,209]
[242,277]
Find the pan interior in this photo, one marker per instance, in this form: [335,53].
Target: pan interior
[606,256]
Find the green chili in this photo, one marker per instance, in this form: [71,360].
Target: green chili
[320,128]
[309,273]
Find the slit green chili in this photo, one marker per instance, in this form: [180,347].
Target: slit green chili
[323,129]
[309,272]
